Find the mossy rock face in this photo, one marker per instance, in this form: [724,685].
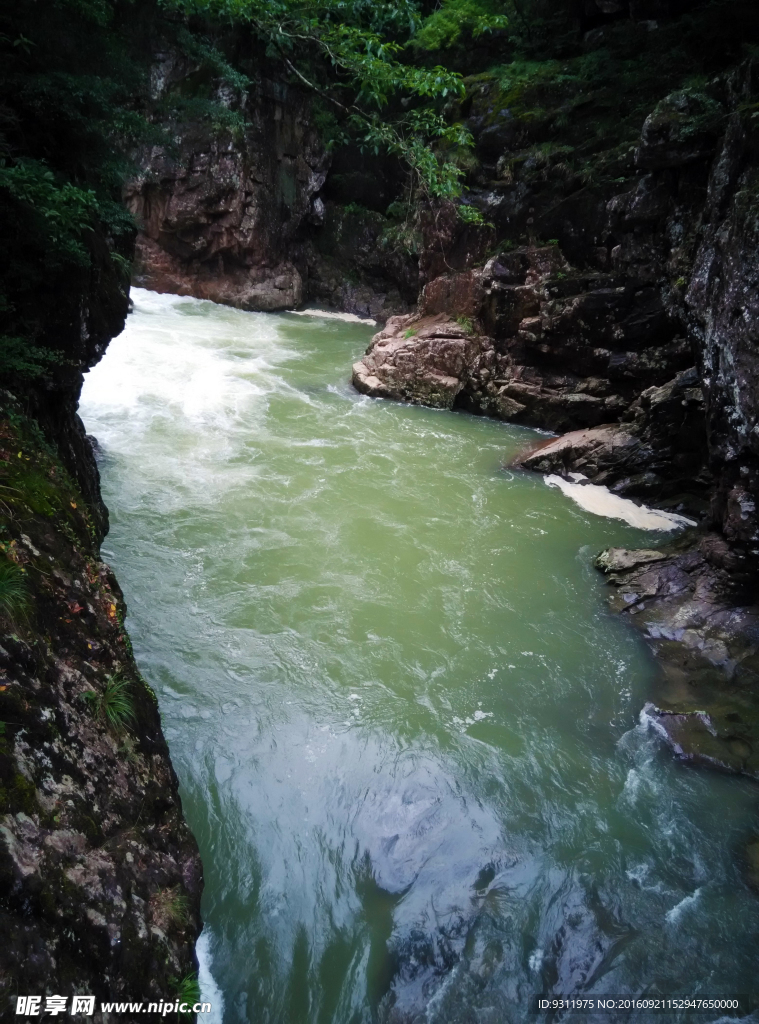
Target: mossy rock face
[77,877]
[33,481]
[681,130]
[19,794]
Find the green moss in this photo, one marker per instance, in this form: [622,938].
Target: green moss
[34,480]
[18,795]
[147,687]
[35,489]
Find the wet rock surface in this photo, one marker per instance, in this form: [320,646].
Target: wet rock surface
[101,877]
[427,360]
[658,452]
[703,628]
[220,217]
[353,265]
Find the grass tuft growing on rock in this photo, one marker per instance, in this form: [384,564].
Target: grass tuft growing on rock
[188,991]
[114,704]
[171,906]
[14,598]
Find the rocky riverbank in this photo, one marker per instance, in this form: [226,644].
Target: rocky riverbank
[704,631]
[101,878]
[637,344]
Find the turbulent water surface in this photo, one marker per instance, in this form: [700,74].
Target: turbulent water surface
[406,731]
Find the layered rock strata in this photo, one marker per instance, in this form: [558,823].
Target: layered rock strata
[536,344]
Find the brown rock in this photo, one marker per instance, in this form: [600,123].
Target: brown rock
[219,220]
[425,360]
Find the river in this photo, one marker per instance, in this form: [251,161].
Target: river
[406,729]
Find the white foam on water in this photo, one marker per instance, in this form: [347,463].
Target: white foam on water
[631,787]
[638,873]
[332,314]
[601,502]
[209,990]
[476,716]
[673,916]
[178,355]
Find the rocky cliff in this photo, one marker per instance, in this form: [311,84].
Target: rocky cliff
[220,212]
[242,217]
[101,877]
[634,328]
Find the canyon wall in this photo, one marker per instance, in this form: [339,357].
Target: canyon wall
[242,217]
[101,877]
[609,292]
[635,327]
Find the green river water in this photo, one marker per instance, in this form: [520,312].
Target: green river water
[406,730]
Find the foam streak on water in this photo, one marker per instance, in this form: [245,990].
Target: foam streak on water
[404,725]
[601,502]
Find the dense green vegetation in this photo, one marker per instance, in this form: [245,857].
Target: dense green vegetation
[398,77]
[68,77]
[75,96]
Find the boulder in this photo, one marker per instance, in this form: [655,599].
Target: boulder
[425,360]
[590,452]
[681,129]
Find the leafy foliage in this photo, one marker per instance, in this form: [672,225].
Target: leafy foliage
[350,53]
[455,20]
[64,211]
[22,361]
[188,990]
[68,75]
